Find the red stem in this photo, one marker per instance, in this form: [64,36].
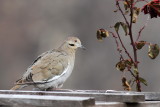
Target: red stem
[139,33]
[124,46]
[120,52]
[134,48]
[117,3]
[118,48]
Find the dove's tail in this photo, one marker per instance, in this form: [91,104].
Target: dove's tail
[17,87]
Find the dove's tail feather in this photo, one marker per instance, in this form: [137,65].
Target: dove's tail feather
[17,87]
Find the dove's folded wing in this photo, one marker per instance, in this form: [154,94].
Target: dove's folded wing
[47,67]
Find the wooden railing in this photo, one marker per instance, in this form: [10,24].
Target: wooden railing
[78,98]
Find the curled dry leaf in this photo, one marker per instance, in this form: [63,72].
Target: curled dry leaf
[140,44]
[124,26]
[116,26]
[126,5]
[124,64]
[136,12]
[153,51]
[125,84]
[121,66]
[102,33]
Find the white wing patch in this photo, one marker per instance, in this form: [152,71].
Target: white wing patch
[58,76]
[55,77]
[52,79]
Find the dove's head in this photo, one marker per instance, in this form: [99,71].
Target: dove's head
[72,43]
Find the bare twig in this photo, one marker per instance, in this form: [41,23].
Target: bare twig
[120,51]
[118,47]
[124,46]
[140,31]
[131,73]
[117,3]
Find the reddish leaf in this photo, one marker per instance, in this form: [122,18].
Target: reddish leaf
[152,8]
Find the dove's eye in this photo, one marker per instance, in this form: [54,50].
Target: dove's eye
[71,44]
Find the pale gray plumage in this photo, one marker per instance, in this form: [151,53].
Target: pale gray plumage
[52,68]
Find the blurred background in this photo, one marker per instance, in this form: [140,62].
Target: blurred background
[31,27]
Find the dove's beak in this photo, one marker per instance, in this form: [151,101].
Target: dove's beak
[82,47]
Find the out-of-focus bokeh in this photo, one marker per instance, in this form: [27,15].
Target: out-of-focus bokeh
[31,27]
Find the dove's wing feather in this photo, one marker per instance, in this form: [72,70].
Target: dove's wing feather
[49,66]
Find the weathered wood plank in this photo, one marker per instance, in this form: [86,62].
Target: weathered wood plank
[152,96]
[120,104]
[99,96]
[103,98]
[37,100]
[149,96]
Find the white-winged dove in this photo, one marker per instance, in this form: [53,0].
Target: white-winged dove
[51,69]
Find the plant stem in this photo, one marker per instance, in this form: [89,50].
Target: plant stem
[134,48]
[120,51]
[132,42]
[140,31]
[124,46]
[117,3]
[132,73]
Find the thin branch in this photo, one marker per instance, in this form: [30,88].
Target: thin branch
[117,3]
[120,52]
[134,47]
[118,48]
[124,46]
[131,36]
[140,31]
[130,27]
[131,73]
